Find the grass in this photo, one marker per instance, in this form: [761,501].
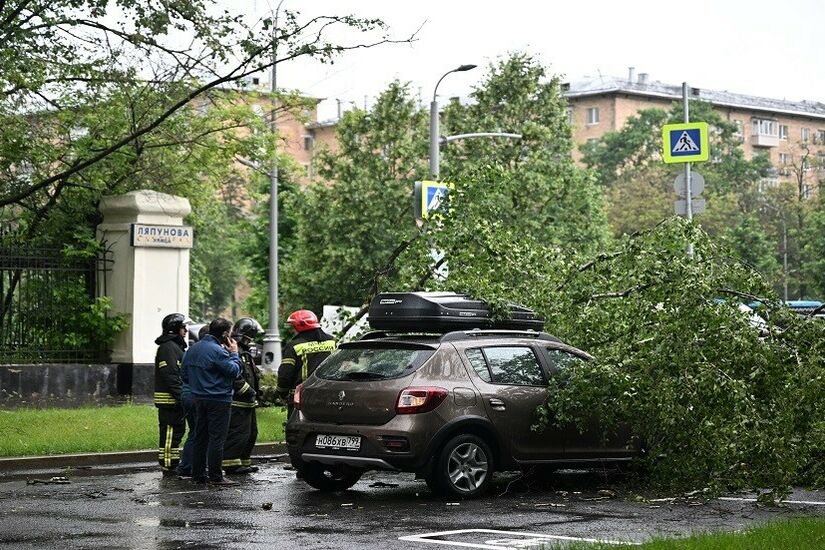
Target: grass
[37,432]
[784,534]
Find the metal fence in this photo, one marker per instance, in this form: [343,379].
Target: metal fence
[45,306]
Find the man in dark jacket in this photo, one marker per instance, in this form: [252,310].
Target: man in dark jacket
[302,354]
[243,424]
[171,416]
[185,465]
[211,365]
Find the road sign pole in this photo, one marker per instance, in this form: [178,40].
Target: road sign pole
[688,197]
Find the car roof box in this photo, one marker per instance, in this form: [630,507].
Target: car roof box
[443,312]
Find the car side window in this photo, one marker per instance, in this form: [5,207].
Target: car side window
[476,358]
[514,365]
[560,360]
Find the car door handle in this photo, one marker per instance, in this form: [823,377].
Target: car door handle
[497,404]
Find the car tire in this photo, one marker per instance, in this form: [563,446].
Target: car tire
[329,478]
[464,468]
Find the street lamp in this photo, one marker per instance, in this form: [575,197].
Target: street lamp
[272,338]
[434,137]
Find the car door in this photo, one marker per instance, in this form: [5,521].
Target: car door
[513,386]
[588,441]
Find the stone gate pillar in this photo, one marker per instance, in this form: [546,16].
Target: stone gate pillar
[149,276]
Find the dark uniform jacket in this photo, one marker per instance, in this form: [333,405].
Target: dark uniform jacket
[302,356]
[167,370]
[246,385]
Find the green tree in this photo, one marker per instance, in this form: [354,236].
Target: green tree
[553,199]
[354,230]
[638,184]
[98,97]
[350,225]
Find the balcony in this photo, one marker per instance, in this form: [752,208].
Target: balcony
[764,132]
[764,140]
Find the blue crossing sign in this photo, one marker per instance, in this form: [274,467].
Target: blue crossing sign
[685,142]
[429,196]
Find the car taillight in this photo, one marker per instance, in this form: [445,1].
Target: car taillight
[296,398]
[418,400]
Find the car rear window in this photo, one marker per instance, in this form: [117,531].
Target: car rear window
[368,363]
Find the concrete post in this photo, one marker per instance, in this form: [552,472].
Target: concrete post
[149,277]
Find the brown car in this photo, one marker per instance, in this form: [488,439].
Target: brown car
[452,408]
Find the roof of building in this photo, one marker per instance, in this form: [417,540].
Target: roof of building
[607,85]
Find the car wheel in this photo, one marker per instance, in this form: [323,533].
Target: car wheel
[464,468]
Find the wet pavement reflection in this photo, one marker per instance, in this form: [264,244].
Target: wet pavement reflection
[140,509]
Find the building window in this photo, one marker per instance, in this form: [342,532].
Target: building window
[805,135]
[738,124]
[308,143]
[819,137]
[784,162]
[806,191]
[593,115]
[783,132]
[570,116]
[765,127]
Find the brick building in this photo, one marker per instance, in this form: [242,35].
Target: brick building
[790,133]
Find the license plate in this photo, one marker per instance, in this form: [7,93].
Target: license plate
[346,442]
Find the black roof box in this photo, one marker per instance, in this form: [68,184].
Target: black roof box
[443,312]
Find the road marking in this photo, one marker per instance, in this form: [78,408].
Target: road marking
[740,499]
[513,541]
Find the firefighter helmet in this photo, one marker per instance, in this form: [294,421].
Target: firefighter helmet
[303,320]
[173,322]
[246,326]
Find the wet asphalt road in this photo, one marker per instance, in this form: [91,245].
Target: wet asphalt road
[139,509]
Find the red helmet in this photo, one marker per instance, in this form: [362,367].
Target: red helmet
[303,320]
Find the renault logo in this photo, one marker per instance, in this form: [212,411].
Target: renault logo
[341,395]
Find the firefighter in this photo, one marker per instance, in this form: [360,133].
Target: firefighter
[302,354]
[243,425]
[171,415]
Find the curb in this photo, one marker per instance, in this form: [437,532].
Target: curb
[100,459]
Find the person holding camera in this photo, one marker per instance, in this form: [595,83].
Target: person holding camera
[212,365]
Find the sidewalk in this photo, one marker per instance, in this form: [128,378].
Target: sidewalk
[11,464]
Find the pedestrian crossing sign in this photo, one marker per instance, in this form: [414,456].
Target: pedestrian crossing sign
[433,196]
[685,142]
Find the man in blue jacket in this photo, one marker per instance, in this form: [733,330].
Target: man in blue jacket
[211,365]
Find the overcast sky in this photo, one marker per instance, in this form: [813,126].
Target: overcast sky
[759,47]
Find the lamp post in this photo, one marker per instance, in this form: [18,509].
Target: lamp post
[272,338]
[434,137]
[782,219]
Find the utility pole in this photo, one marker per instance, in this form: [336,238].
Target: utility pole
[272,339]
[688,198]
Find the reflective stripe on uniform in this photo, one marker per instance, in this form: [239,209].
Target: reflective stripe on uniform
[246,462]
[245,388]
[228,463]
[244,404]
[161,364]
[164,398]
[167,454]
[288,361]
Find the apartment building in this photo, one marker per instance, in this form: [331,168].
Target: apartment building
[790,133]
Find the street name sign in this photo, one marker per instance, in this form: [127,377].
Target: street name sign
[161,236]
[686,142]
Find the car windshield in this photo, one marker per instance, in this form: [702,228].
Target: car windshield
[369,363]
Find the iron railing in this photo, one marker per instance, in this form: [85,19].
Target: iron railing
[45,300]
